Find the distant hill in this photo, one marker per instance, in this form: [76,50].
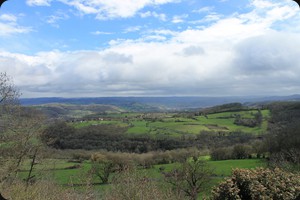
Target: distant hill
[67,111]
[158,103]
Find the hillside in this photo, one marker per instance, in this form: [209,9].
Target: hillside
[75,111]
[158,103]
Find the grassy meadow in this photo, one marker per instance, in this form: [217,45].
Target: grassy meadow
[73,174]
[178,125]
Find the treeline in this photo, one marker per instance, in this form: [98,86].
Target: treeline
[61,135]
[106,137]
[284,139]
[250,122]
[281,145]
[230,107]
[240,151]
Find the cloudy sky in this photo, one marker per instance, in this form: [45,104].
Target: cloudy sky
[88,48]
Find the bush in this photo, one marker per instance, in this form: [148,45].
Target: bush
[191,178]
[241,151]
[221,154]
[43,190]
[259,184]
[136,185]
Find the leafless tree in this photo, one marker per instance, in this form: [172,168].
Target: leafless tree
[19,128]
[190,178]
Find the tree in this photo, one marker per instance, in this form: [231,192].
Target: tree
[8,115]
[19,129]
[241,151]
[55,134]
[259,184]
[8,92]
[8,105]
[190,178]
[102,167]
[224,153]
[258,118]
[135,185]
[283,141]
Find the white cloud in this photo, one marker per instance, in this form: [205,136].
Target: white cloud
[38,2]
[132,29]
[8,17]
[108,9]
[212,17]
[179,18]
[7,29]
[10,26]
[236,55]
[58,16]
[193,51]
[101,33]
[262,4]
[204,9]
[160,16]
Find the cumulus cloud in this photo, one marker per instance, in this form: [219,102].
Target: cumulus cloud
[273,52]
[193,50]
[242,54]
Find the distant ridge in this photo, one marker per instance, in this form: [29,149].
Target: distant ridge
[159,102]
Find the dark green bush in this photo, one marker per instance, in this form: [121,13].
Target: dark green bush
[259,184]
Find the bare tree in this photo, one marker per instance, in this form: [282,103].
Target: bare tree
[8,92]
[102,167]
[190,178]
[19,128]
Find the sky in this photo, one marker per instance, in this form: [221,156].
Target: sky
[98,48]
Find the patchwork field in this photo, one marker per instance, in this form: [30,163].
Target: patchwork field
[178,125]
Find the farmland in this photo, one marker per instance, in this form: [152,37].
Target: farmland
[64,173]
[179,124]
[96,152]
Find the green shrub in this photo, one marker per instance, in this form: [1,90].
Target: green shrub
[43,190]
[221,153]
[259,184]
[136,185]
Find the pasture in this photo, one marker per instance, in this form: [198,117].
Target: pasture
[176,125]
[77,175]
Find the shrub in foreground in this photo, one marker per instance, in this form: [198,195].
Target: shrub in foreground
[136,185]
[43,190]
[259,184]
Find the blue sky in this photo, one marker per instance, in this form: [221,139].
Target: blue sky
[82,48]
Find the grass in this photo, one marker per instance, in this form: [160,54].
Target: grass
[94,122]
[166,124]
[138,127]
[56,170]
[224,167]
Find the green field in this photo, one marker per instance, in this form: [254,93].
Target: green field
[173,125]
[156,124]
[57,170]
